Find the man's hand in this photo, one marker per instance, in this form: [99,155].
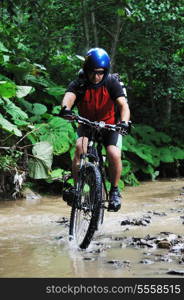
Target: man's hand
[66,113]
[124,127]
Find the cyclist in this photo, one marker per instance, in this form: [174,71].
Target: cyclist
[99,96]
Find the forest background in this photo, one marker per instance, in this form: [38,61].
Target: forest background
[42,45]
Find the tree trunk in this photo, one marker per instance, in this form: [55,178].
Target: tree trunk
[168,108]
[115,41]
[93,20]
[85,22]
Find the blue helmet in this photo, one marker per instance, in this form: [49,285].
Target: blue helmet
[97,58]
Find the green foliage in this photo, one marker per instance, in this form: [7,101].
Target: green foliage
[42,48]
[15,111]
[41,161]
[58,132]
[7,162]
[8,126]
[147,149]
[7,89]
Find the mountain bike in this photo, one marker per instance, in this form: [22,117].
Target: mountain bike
[91,195]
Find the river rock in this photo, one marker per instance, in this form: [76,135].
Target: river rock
[118,263]
[63,220]
[144,221]
[164,258]
[29,195]
[178,247]
[176,272]
[89,258]
[147,261]
[164,244]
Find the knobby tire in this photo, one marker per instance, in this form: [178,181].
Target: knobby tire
[86,210]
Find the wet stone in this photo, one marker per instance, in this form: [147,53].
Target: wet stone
[164,244]
[63,220]
[177,210]
[119,263]
[102,248]
[150,238]
[59,237]
[144,221]
[119,238]
[89,258]
[181,261]
[176,272]
[161,214]
[147,243]
[147,262]
[178,248]
[164,258]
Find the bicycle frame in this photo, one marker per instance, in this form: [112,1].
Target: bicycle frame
[94,154]
[91,191]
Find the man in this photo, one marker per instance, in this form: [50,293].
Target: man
[98,95]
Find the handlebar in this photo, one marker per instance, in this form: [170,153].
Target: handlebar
[100,125]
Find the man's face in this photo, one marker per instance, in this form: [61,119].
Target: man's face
[96,75]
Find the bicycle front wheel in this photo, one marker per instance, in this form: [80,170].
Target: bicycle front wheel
[86,209]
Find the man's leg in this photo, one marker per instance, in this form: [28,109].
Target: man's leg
[81,147]
[115,165]
[115,169]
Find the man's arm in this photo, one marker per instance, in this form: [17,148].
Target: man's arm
[123,108]
[68,100]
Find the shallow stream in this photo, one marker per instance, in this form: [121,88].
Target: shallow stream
[144,239]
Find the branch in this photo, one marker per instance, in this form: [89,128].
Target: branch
[35,129]
[103,27]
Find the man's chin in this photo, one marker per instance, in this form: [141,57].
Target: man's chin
[95,82]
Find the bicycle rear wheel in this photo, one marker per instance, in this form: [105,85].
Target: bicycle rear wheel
[86,209]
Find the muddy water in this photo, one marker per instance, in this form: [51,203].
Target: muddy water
[34,237]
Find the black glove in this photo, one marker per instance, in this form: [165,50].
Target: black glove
[124,128]
[66,113]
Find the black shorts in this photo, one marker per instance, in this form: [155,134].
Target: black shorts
[108,137]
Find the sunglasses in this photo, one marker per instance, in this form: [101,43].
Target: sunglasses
[96,72]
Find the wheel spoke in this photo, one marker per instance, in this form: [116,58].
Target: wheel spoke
[85,215]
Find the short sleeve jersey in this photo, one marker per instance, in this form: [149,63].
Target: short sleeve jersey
[97,104]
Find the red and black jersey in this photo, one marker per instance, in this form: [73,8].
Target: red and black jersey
[97,104]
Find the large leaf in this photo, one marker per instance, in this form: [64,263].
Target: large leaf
[20,70]
[129,143]
[23,91]
[126,167]
[58,132]
[15,111]
[149,135]
[3,48]
[178,153]
[171,153]
[145,152]
[56,91]
[166,155]
[39,109]
[39,80]
[7,89]
[37,169]
[28,106]
[6,125]
[41,162]
[43,151]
